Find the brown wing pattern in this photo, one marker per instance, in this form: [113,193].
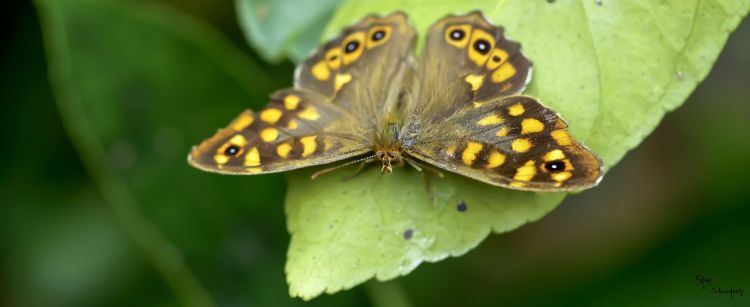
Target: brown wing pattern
[296,129]
[512,142]
[469,60]
[367,55]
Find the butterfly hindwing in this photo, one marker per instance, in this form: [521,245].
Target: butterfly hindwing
[296,129]
[512,142]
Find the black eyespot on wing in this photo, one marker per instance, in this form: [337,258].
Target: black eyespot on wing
[231,150]
[496,59]
[554,166]
[457,35]
[351,46]
[378,35]
[482,46]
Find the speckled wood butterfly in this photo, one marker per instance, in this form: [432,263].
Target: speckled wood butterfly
[363,97]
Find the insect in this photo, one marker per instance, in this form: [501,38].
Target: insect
[363,97]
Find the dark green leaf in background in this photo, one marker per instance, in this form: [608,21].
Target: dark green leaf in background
[137,84]
[611,68]
[284,28]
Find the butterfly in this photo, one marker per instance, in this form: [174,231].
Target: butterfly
[364,97]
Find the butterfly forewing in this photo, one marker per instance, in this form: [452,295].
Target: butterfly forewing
[469,60]
[366,59]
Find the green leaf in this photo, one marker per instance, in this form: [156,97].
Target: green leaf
[284,28]
[137,84]
[611,68]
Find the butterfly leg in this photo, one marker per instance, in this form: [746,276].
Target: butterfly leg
[425,175]
[359,169]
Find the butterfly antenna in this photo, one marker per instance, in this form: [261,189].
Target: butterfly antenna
[364,160]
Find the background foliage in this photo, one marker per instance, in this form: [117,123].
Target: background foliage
[124,222]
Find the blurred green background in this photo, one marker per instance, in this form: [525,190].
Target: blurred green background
[125,222]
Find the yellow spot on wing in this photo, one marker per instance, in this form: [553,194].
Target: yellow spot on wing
[292,124]
[221,159]
[333,57]
[309,114]
[475,55]
[502,132]
[525,172]
[517,184]
[555,154]
[244,120]
[271,115]
[291,102]
[341,80]
[308,145]
[470,153]
[521,145]
[352,56]
[327,144]
[560,177]
[252,158]
[320,71]
[531,125]
[561,137]
[460,43]
[496,54]
[516,109]
[283,150]
[475,81]
[496,159]
[488,120]
[269,134]
[238,140]
[503,73]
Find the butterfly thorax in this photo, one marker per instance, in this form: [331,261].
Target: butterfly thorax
[388,146]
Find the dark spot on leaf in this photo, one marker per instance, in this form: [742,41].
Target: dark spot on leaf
[462,207]
[550,1]
[408,233]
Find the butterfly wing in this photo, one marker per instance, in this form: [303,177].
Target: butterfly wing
[513,142]
[328,115]
[296,129]
[464,117]
[471,61]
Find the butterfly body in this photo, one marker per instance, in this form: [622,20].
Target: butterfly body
[364,96]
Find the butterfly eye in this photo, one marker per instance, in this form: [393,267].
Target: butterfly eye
[231,150]
[378,35]
[457,35]
[482,46]
[554,166]
[351,47]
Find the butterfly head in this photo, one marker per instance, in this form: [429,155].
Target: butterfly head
[388,156]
